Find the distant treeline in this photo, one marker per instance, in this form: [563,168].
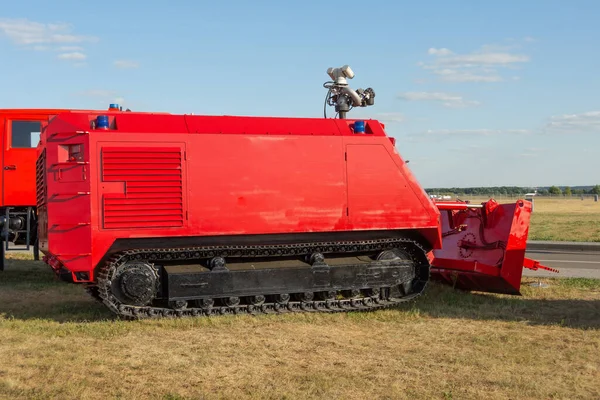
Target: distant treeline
[516,190]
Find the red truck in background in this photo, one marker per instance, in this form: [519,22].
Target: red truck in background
[20,133]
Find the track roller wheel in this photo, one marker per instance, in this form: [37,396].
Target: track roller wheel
[316,259]
[231,301]
[327,295]
[218,264]
[374,293]
[204,303]
[178,304]
[282,298]
[306,296]
[351,294]
[257,300]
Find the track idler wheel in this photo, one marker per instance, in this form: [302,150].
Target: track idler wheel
[135,284]
[389,255]
[405,288]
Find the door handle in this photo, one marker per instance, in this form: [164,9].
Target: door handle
[13,167]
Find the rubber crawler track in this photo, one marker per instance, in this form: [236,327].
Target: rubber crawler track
[380,300]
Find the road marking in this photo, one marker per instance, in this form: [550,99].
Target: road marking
[569,261]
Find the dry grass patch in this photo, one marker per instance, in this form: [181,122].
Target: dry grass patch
[56,343]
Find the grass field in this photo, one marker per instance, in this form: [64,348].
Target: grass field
[570,220]
[57,343]
[562,219]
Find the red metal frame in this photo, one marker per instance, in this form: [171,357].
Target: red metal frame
[484,246]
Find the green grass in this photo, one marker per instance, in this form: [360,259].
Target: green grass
[564,219]
[547,225]
[58,343]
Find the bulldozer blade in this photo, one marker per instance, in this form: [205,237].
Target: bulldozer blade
[483,246]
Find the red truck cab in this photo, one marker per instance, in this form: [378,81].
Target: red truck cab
[20,132]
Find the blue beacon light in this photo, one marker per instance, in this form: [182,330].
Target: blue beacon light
[102,122]
[359,127]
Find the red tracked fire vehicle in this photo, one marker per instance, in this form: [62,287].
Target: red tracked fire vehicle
[185,215]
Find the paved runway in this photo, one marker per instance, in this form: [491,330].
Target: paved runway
[576,264]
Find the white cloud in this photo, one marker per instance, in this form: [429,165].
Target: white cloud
[390,117]
[574,123]
[97,93]
[566,124]
[103,96]
[125,64]
[24,32]
[46,36]
[439,52]
[385,117]
[469,148]
[456,75]
[464,134]
[528,155]
[478,66]
[72,56]
[70,48]
[532,152]
[447,99]
[481,59]
[475,132]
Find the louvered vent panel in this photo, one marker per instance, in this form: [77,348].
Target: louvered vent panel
[40,179]
[153,187]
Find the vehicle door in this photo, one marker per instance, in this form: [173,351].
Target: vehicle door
[20,139]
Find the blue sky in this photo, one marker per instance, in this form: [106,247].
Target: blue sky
[476,93]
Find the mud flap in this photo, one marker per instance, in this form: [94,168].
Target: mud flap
[483,246]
